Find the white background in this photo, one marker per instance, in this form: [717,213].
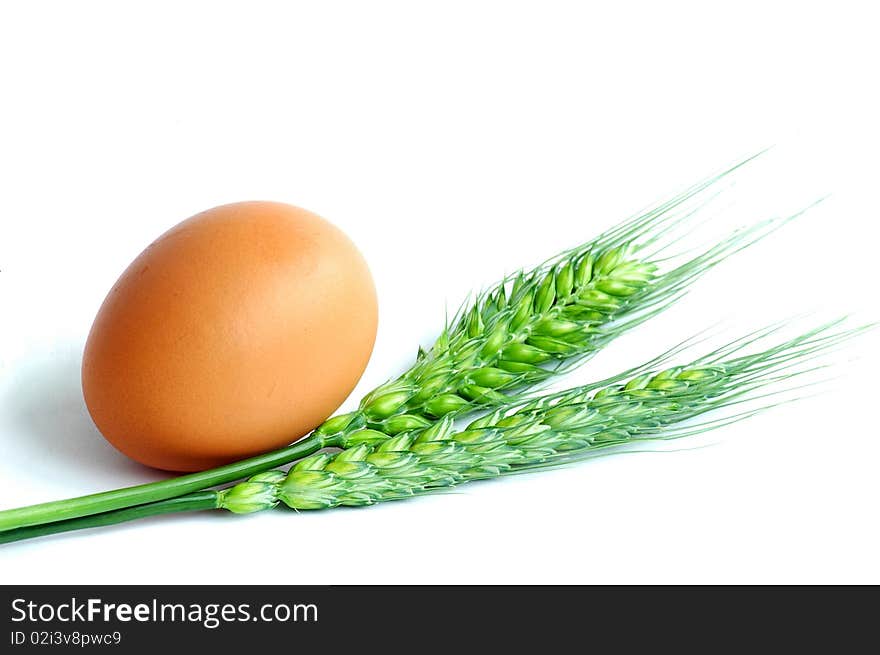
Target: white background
[453,142]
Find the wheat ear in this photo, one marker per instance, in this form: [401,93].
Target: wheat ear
[548,431]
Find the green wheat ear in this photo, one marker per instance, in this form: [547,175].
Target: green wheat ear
[548,431]
[648,403]
[535,324]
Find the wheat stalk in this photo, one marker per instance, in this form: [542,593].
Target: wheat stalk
[548,431]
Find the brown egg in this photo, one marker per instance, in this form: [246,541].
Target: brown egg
[235,332]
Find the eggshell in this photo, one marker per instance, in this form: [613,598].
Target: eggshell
[235,332]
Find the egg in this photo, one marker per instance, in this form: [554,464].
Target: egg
[235,332]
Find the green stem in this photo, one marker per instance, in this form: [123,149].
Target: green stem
[72,508]
[192,502]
